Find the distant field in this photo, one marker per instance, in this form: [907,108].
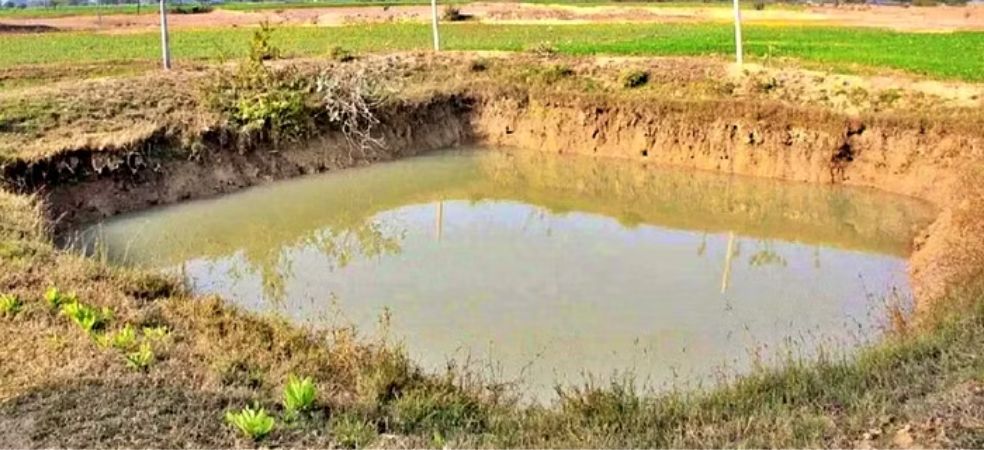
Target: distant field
[68,11]
[940,55]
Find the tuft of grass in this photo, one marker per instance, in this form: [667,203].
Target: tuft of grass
[124,339]
[299,395]
[10,305]
[453,14]
[634,78]
[141,359]
[542,48]
[352,431]
[341,54]
[252,422]
[155,333]
[440,410]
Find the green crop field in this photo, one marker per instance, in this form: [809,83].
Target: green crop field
[957,56]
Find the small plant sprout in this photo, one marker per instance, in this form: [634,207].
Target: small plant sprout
[87,317]
[155,333]
[124,340]
[253,423]
[56,299]
[10,305]
[140,359]
[299,395]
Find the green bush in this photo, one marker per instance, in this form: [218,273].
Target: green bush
[260,102]
[253,423]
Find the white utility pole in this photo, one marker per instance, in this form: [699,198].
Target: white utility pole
[165,46]
[738,50]
[437,38]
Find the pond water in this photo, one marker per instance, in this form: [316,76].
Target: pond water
[546,269]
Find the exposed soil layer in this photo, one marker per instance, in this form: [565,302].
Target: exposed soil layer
[104,185]
[753,139]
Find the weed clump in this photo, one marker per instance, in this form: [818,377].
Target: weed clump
[352,431]
[254,423]
[299,395]
[56,298]
[634,78]
[542,49]
[10,305]
[278,105]
[341,54]
[142,358]
[262,103]
[453,14]
[88,318]
[124,339]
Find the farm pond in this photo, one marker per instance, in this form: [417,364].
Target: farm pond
[546,269]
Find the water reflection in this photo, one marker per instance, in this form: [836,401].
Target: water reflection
[550,266]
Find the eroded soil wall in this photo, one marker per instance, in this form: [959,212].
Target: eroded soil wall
[908,158]
[754,139]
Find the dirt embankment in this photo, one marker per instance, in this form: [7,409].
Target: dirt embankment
[932,163]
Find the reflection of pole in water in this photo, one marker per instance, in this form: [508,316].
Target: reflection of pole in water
[439,220]
[726,277]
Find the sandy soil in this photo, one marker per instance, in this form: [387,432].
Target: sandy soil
[935,19]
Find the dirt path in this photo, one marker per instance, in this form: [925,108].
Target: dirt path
[934,19]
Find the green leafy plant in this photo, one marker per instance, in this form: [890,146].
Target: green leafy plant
[10,305]
[140,359]
[261,102]
[56,299]
[124,339]
[155,333]
[87,317]
[299,394]
[253,423]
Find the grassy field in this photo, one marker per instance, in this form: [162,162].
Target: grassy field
[946,56]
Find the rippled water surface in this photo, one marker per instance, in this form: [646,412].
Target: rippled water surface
[546,268]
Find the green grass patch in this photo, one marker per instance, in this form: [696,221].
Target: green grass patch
[948,56]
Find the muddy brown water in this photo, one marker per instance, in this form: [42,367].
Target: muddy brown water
[547,269]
